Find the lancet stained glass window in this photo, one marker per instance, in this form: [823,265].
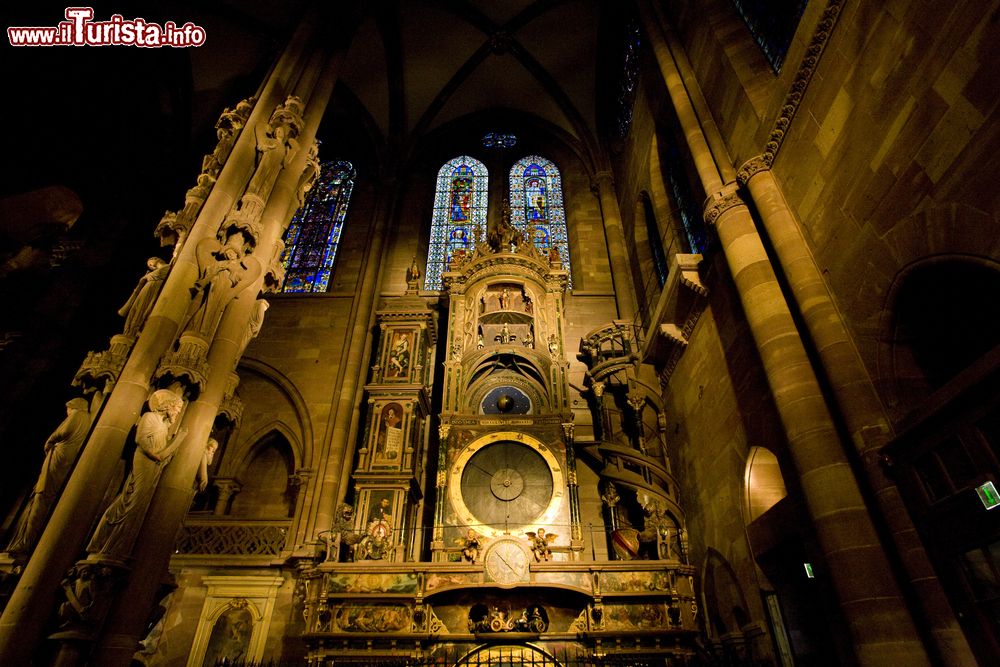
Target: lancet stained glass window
[313,235]
[459,208]
[536,205]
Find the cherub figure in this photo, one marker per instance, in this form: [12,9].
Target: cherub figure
[472,545]
[540,544]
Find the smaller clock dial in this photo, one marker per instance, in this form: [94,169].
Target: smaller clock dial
[507,562]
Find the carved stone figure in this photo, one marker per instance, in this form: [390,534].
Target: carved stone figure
[201,477]
[505,336]
[276,145]
[223,272]
[504,299]
[226,129]
[120,524]
[137,308]
[340,532]
[61,449]
[505,237]
[553,345]
[528,340]
[254,326]
[472,545]
[540,542]
[413,275]
[86,587]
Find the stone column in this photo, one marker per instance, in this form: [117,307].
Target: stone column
[681,98]
[173,495]
[872,604]
[228,487]
[856,397]
[615,235]
[23,619]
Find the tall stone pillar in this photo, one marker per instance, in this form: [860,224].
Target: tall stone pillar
[710,164]
[615,236]
[857,400]
[281,190]
[22,623]
[877,617]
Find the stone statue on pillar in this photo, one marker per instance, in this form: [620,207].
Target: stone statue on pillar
[121,522]
[224,271]
[276,145]
[61,449]
[253,327]
[139,305]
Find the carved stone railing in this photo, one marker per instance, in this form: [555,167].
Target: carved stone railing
[213,537]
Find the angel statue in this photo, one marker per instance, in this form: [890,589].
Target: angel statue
[472,545]
[540,544]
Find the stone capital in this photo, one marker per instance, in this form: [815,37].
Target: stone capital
[602,179]
[720,202]
[751,168]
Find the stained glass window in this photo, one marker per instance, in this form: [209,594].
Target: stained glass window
[629,81]
[459,209]
[772,24]
[313,235]
[498,140]
[687,204]
[536,205]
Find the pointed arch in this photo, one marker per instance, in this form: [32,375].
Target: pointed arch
[536,205]
[314,232]
[459,209]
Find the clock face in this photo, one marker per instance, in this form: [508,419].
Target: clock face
[506,484]
[507,561]
[506,401]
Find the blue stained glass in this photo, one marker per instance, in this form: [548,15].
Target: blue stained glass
[498,140]
[687,205]
[459,208]
[628,84]
[314,232]
[536,206]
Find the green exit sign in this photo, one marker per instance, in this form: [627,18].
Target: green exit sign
[989,495]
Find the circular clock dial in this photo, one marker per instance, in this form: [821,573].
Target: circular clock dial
[506,561]
[506,484]
[506,401]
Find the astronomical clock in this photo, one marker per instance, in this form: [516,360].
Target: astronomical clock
[462,537]
[505,465]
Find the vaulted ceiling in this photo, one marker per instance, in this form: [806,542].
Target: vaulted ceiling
[416,65]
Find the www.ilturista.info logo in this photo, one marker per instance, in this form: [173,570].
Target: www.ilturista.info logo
[79,29]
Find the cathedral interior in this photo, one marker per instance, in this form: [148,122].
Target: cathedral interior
[463,332]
